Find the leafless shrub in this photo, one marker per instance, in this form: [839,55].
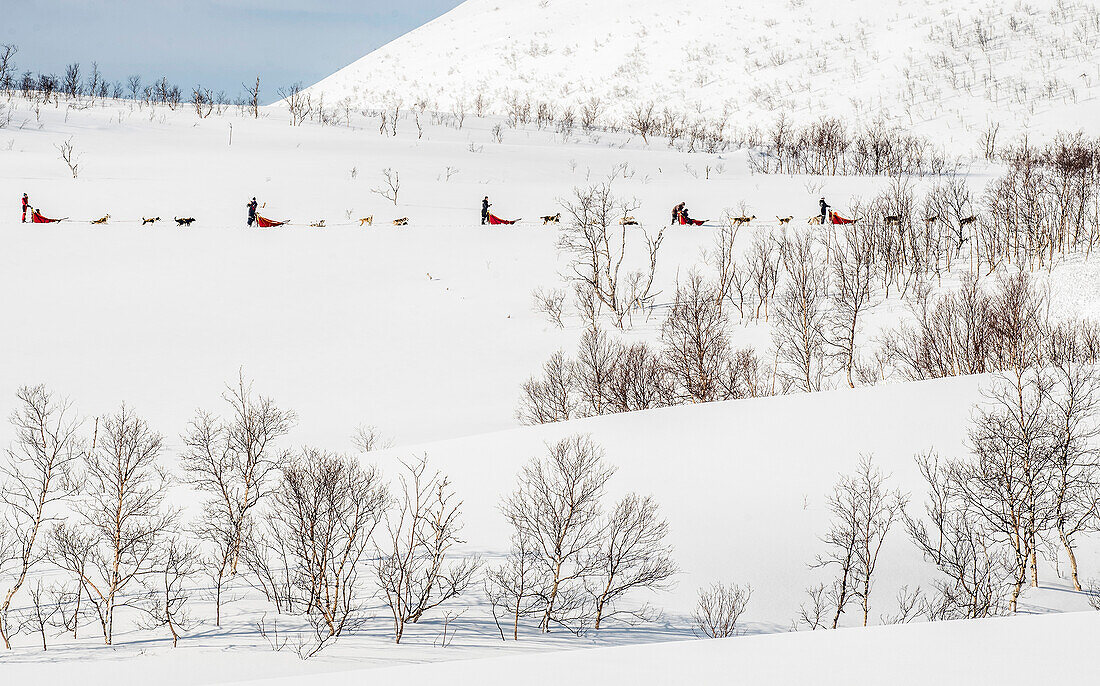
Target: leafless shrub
[299,104]
[988,139]
[46,610]
[171,586]
[368,438]
[552,398]
[642,120]
[1092,592]
[814,615]
[253,98]
[696,348]
[392,179]
[719,609]
[203,100]
[971,331]
[516,588]
[551,303]
[69,156]
[412,567]
[70,83]
[590,113]
[7,67]
[764,262]
[319,527]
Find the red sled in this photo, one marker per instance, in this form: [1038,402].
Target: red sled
[265,223]
[494,220]
[37,218]
[693,222]
[837,219]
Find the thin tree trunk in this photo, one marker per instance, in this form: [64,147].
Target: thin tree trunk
[1072,560]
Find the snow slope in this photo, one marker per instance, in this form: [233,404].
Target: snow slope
[743,485]
[1021,651]
[937,65]
[428,332]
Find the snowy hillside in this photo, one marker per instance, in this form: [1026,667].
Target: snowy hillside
[724,382]
[938,65]
[1053,647]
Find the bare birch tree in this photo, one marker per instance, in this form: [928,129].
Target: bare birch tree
[38,474]
[319,524]
[557,507]
[416,567]
[599,243]
[170,587]
[960,545]
[1074,468]
[852,277]
[235,460]
[696,346]
[863,512]
[122,516]
[800,316]
[878,509]
[631,556]
[517,587]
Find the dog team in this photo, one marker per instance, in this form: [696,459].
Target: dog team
[679,216]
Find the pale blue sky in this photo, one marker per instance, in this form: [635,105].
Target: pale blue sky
[216,43]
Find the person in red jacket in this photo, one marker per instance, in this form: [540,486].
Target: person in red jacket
[26,204]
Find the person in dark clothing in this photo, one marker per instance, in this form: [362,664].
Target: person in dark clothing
[485,205]
[824,211]
[684,217]
[26,204]
[676,212]
[252,212]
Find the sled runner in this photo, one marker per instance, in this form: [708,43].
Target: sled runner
[835,218]
[265,223]
[37,218]
[691,222]
[494,220]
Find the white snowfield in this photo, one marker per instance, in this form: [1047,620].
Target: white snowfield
[427,331]
[1026,650]
[938,65]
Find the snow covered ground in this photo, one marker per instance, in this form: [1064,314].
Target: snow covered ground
[939,66]
[428,331]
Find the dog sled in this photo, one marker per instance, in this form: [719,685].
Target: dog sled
[495,220]
[835,218]
[685,221]
[265,223]
[38,218]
